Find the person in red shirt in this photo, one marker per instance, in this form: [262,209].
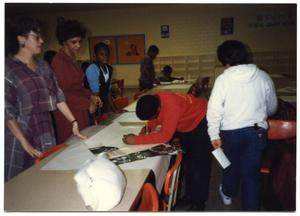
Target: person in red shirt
[186,115]
[70,78]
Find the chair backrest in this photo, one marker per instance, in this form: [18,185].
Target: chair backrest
[48,152]
[149,199]
[278,130]
[281,129]
[205,81]
[171,182]
[121,102]
[120,84]
[137,94]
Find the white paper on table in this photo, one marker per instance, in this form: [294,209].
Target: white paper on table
[131,107]
[178,81]
[165,83]
[221,157]
[129,117]
[111,136]
[175,86]
[72,158]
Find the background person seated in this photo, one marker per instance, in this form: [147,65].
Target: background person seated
[166,75]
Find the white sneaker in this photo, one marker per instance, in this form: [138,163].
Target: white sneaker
[226,199]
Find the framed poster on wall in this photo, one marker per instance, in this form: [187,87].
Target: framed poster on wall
[131,48]
[227,26]
[110,41]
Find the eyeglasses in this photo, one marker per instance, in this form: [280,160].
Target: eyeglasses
[36,36]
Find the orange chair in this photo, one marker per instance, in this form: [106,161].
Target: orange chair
[137,94]
[101,118]
[120,103]
[120,84]
[48,152]
[171,184]
[149,200]
[278,130]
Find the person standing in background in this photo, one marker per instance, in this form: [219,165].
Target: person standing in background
[70,77]
[148,76]
[99,75]
[242,98]
[31,91]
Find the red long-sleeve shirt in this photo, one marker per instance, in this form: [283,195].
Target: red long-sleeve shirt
[178,112]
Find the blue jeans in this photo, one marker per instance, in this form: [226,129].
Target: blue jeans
[244,148]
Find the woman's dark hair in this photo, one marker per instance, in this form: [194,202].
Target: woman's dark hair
[232,53]
[18,26]
[167,70]
[147,107]
[99,46]
[49,55]
[153,49]
[67,29]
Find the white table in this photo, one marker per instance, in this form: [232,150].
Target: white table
[37,190]
[55,190]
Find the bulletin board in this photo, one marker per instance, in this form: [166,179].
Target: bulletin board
[124,49]
[110,41]
[131,48]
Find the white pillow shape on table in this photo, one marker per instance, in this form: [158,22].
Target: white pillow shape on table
[100,183]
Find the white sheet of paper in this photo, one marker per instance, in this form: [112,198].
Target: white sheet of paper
[72,158]
[221,157]
[128,117]
[175,86]
[131,107]
[108,136]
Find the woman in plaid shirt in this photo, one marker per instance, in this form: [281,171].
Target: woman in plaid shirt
[31,91]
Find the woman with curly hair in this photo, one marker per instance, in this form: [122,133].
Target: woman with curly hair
[70,77]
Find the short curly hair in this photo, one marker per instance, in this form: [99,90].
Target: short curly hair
[147,107]
[99,46]
[232,52]
[15,27]
[67,29]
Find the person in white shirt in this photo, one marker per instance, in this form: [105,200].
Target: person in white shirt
[242,98]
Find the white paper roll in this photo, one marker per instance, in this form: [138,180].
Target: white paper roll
[221,157]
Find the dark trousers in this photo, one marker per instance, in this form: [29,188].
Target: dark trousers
[196,162]
[244,148]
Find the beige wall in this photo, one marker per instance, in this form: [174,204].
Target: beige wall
[194,29]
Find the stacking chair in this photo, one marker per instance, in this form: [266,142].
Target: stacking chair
[101,118]
[48,152]
[137,94]
[149,200]
[204,84]
[278,130]
[121,102]
[279,171]
[171,184]
[120,84]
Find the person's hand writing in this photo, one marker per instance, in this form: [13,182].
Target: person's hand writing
[75,130]
[129,139]
[145,130]
[217,143]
